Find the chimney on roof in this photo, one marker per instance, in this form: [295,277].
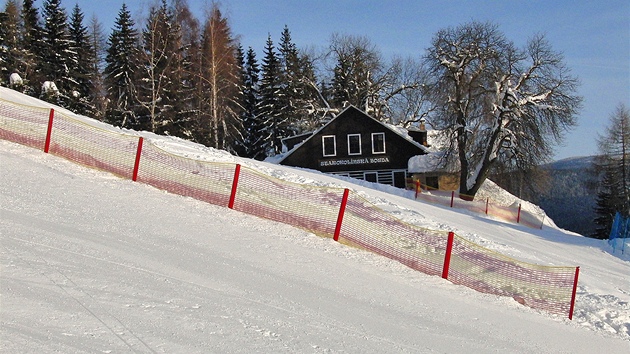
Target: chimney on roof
[419,134]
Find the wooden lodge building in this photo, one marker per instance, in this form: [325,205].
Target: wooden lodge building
[356,145]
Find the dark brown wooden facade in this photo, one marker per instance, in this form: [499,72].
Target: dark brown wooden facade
[356,145]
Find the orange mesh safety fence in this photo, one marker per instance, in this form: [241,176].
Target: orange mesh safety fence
[507,213]
[531,220]
[368,227]
[310,207]
[91,146]
[513,214]
[207,181]
[25,125]
[436,197]
[476,206]
[540,287]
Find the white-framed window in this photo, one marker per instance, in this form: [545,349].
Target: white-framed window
[378,143]
[354,144]
[329,145]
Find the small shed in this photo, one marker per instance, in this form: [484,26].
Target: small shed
[356,145]
[433,172]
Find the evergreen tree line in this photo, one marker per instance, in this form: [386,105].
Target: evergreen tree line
[176,75]
[612,171]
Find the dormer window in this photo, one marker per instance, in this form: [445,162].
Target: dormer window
[329,145]
[378,143]
[354,144]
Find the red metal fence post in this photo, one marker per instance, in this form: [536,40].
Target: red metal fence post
[518,216]
[51,116]
[417,188]
[487,203]
[575,283]
[237,172]
[342,210]
[447,256]
[136,165]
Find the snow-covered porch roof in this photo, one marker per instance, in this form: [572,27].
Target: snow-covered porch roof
[432,162]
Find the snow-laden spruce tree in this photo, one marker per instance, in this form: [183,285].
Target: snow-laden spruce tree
[300,102]
[289,78]
[9,42]
[82,88]
[275,126]
[31,49]
[253,145]
[57,54]
[496,102]
[121,71]
[614,167]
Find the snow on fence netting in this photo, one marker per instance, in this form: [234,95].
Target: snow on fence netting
[325,211]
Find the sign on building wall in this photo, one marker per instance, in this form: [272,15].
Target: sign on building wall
[354,161]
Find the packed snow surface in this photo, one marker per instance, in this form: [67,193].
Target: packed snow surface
[97,264]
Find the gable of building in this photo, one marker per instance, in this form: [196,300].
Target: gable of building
[354,141]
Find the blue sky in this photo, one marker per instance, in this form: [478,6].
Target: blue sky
[594,36]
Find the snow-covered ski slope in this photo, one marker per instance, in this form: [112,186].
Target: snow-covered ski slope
[95,263]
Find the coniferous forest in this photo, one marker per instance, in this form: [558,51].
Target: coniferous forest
[176,74]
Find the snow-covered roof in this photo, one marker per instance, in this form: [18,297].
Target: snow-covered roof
[431,162]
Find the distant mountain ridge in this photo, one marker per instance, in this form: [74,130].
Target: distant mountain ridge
[570,201]
[577,162]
